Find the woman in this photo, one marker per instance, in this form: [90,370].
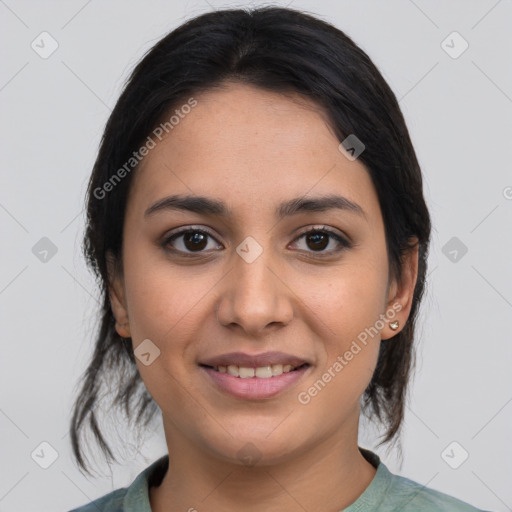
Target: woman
[257,222]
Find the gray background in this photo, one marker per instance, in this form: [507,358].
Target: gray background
[459,112]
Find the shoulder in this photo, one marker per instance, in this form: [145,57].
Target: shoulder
[415,497]
[390,493]
[132,498]
[112,502]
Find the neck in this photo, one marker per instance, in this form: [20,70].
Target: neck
[329,476]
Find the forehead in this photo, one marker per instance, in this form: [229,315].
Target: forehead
[245,144]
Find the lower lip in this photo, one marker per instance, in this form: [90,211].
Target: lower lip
[255,388]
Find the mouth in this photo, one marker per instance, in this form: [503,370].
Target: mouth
[248,376]
[254,382]
[260,372]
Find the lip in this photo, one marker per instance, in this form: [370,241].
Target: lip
[254,388]
[254,360]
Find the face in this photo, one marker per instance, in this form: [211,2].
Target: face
[269,267]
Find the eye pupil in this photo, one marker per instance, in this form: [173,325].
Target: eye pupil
[197,240]
[320,240]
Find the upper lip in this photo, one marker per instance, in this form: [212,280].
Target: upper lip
[253,361]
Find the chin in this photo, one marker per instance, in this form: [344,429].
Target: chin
[250,449]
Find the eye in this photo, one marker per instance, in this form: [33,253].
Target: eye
[190,240]
[319,239]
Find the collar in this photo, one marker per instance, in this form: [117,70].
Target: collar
[137,496]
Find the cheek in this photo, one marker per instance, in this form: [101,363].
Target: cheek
[350,348]
[163,306]
[349,298]
[161,296]
[349,306]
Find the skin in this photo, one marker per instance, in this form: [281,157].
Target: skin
[254,149]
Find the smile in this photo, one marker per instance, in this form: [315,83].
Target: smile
[261,372]
[262,382]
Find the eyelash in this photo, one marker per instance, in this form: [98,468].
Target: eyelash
[345,244]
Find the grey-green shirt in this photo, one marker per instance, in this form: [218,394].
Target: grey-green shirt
[386,493]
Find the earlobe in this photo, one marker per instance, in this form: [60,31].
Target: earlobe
[117,297]
[401,293]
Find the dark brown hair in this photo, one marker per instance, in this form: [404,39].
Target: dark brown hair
[280,50]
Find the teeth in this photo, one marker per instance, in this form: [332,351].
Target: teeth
[246,373]
[262,372]
[277,369]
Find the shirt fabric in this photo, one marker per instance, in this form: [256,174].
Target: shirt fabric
[387,492]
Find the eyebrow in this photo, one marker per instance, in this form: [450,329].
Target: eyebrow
[206,205]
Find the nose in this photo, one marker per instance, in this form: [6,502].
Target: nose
[255,296]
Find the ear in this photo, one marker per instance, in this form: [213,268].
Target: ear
[401,291]
[117,296]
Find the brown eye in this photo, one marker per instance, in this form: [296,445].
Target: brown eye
[195,241]
[319,239]
[190,241]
